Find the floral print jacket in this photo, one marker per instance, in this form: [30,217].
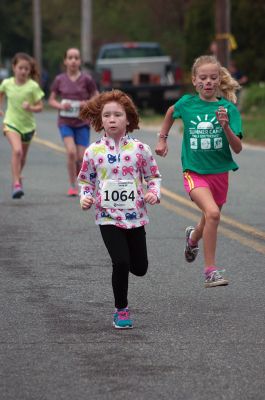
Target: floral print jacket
[133,161]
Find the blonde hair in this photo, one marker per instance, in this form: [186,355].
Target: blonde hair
[92,109]
[228,85]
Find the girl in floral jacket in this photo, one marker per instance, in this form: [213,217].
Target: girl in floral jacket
[111,178]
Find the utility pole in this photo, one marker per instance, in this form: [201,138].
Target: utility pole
[86,31]
[37,51]
[222,30]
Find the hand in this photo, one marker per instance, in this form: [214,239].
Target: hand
[26,106]
[150,198]
[66,106]
[161,148]
[222,117]
[83,103]
[87,202]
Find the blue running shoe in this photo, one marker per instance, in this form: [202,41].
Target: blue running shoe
[121,319]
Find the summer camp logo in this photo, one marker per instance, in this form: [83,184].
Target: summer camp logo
[205,133]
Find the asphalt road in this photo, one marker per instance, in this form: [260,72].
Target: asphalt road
[188,342]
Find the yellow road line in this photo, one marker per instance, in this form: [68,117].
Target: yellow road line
[230,221]
[192,216]
[49,144]
[259,247]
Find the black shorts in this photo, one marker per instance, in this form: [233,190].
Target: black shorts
[25,137]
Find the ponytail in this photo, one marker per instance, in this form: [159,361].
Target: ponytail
[228,85]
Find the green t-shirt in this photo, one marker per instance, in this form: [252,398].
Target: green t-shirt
[205,148]
[15,115]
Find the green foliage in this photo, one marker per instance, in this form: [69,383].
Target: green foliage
[184,28]
[139,20]
[253,128]
[15,27]
[119,20]
[61,30]
[247,25]
[199,29]
[253,98]
[253,110]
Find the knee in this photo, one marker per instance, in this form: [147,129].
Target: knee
[79,160]
[140,269]
[18,153]
[71,154]
[139,273]
[213,216]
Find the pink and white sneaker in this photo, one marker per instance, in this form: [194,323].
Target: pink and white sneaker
[17,191]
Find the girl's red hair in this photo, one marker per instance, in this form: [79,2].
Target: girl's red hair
[92,110]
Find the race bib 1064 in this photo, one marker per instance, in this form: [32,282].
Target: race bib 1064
[118,194]
[73,112]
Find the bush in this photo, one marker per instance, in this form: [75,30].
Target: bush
[253,98]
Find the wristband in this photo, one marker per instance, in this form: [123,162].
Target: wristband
[160,135]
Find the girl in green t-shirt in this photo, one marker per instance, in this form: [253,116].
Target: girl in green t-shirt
[24,97]
[212,127]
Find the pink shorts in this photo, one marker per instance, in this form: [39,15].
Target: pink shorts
[217,183]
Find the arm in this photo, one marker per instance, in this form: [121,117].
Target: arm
[152,177]
[87,182]
[161,146]
[2,95]
[53,102]
[233,140]
[37,107]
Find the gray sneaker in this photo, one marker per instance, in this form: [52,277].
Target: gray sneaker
[215,279]
[190,251]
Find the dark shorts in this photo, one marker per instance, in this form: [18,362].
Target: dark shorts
[25,137]
[80,134]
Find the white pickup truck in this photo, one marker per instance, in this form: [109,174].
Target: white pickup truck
[141,70]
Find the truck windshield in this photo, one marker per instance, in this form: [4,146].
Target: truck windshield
[132,52]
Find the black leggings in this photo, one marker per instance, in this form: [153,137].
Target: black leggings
[127,249]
